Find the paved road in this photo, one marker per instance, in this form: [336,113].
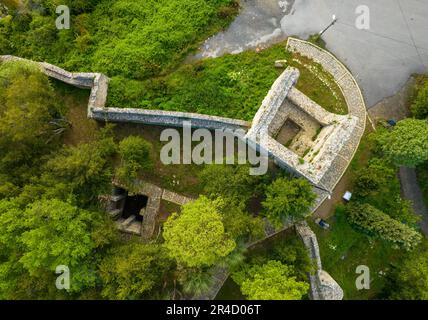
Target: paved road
[412,192]
[382,58]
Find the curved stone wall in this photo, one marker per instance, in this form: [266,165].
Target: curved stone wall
[354,99]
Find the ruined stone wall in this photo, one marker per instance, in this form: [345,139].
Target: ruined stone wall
[167,118]
[310,107]
[323,286]
[98,83]
[354,99]
[274,100]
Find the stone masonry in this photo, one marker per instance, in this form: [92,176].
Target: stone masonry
[324,165]
[323,286]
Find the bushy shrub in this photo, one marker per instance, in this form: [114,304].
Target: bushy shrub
[287,197]
[135,155]
[271,281]
[377,223]
[406,144]
[378,184]
[196,237]
[134,39]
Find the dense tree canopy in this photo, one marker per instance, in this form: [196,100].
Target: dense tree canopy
[288,198]
[375,222]
[232,182]
[410,279]
[420,104]
[271,281]
[378,184]
[237,188]
[27,106]
[196,237]
[132,270]
[407,143]
[50,233]
[79,172]
[135,155]
[135,39]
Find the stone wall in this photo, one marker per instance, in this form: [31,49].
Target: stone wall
[323,286]
[354,99]
[274,100]
[310,107]
[167,118]
[98,83]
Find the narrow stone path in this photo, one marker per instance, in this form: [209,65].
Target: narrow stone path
[411,191]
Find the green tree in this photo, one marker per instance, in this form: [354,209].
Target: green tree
[80,172]
[377,223]
[374,177]
[232,182]
[410,280]
[288,198]
[132,270]
[407,143]
[50,233]
[271,281]
[135,155]
[235,185]
[197,237]
[238,223]
[378,184]
[27,106]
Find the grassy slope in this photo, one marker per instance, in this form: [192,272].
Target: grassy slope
[343,249]
[142,46]
[231,86]
[135,39]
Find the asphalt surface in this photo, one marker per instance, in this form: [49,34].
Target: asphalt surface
[412,192]
[381,58]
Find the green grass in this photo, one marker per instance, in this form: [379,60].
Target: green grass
[343,249]
[181,178]
[319,85]
[134,39]
[231,86]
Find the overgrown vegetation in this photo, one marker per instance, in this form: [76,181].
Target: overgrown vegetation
[287,199]
[373,221]
[356,239]
[420,111]
[231,86]
[65,187]
[135,155]
[134,39]
[283,258]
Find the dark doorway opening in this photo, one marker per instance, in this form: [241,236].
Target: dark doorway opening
[133,206]
[288,132]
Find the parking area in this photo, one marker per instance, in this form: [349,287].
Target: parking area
[381,58]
